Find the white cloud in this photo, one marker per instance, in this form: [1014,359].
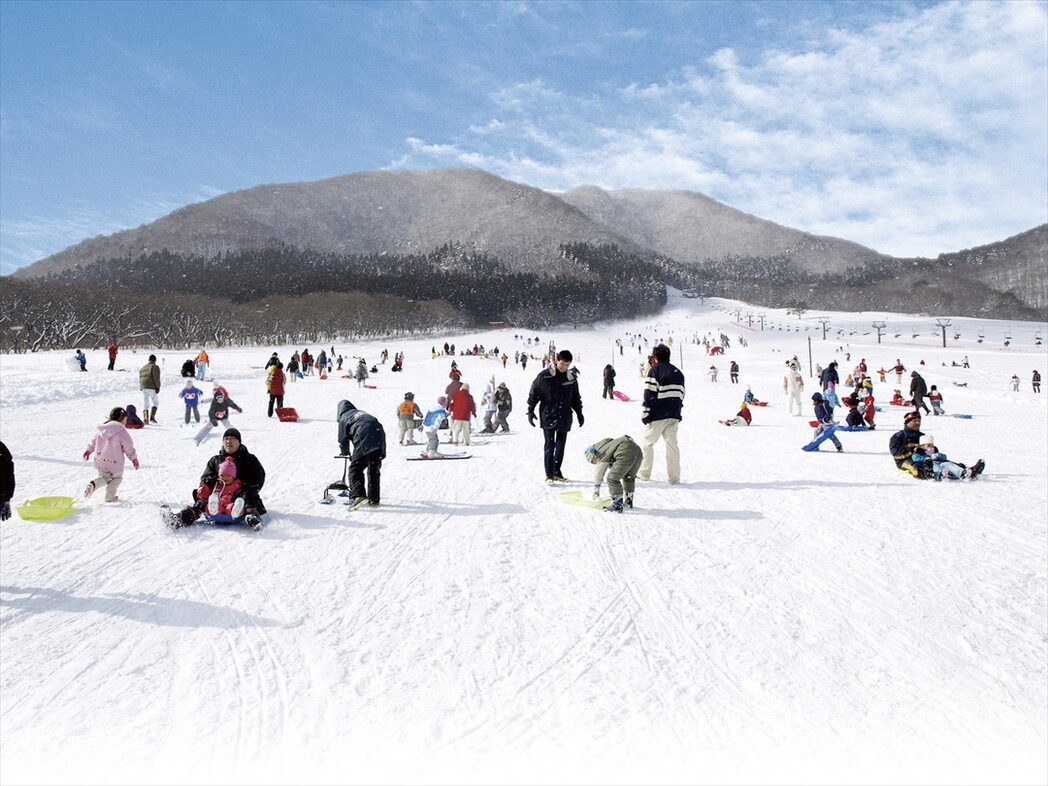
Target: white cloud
[916,136]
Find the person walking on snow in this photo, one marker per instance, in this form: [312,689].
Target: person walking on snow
[149,383]
[918,390]
[110,444]
[490,408]
[661,414]
[191,394]
[463,408]
[609,382]
[793,385]
[275,386]
[504,402]
[113,349]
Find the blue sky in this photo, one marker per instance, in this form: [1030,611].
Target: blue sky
[913,128]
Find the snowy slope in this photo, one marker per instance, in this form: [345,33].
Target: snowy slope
[779,616]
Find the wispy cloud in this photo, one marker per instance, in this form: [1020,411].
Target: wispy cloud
[920,135]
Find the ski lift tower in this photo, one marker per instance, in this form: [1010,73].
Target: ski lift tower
[943,324]
[879,326]
[824,321]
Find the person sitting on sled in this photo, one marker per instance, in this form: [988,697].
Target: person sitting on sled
[743,418]
[854,417]
[749,398]
[619,460]
[931,463]
[224,497]
[898,400]
[250,474]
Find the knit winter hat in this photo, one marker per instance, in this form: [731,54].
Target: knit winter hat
[591,455]
[816,396]
[443,401]
[927,440]
[232,432]
[228,469]
[911,416]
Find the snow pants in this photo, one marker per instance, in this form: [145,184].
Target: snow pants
[460,432]
[191,409]
[793,397]
[110,480]
[667,430]
[405,429]
[372,465]
[622,474]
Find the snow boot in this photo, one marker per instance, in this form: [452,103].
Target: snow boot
[212,504]
[615,506]
[238,508]
[152,414]
[628,500]
[89,490]
[145,416]
[254,521]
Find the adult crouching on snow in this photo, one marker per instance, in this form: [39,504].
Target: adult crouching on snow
[362,432]
[250,473]
[149,384]
[556,393]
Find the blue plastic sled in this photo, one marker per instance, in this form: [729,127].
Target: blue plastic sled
[959,415]
[814,444]
[221,518]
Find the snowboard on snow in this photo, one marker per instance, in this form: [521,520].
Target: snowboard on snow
[442,457]
[814,444]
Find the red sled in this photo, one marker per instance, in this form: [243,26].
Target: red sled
[286,414]
[371,387]
[620,395]
[758,403]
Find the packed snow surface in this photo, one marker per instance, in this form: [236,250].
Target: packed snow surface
[778,616]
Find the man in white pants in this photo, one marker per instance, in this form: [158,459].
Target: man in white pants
[663,401]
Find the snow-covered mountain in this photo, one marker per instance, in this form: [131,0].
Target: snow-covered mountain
[778,616]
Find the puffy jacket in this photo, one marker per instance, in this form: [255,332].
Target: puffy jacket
[663,393]
[823,411]
[557,396]
[463,407]
[918,387]
[612,450]
[110,444]
[829,374]
[250,473]
[903,443]
[275,381]
[149,377]
[361,429]
[609,375]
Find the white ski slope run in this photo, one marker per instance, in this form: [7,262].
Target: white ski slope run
[778,616]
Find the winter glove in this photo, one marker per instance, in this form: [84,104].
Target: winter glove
[5,511]
[581,419]
[645,421]
[87,455]
[531,418]
[134,463]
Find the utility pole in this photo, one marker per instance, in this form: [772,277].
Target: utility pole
[824,321]
[879,326]
[943,324]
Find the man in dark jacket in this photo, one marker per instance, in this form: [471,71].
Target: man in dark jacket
[829,374]
[661,415]
[903,443]
[250,473]
[368,440]
[609,382]
[918,390]
[556,393]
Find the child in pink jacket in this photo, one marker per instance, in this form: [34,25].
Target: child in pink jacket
[220,499]
[110,444]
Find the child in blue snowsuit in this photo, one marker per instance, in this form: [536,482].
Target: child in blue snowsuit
[824,415]
[191,395]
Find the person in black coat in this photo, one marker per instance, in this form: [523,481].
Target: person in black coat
[250,473]
[609,382]
[189,369]
[918,390]
[556,393]
[362,432]
[7,482]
